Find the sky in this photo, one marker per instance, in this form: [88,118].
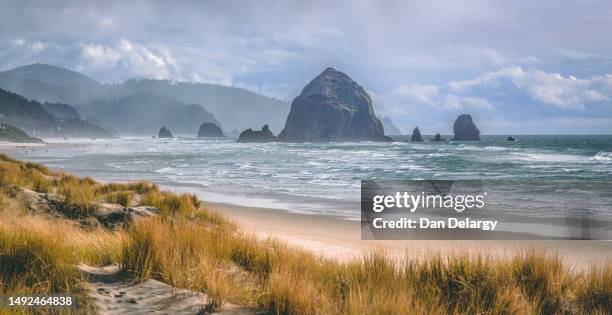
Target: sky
[519,67]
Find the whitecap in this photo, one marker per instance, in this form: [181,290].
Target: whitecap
[495,148]
[550,157]
[164,170]
[605,157]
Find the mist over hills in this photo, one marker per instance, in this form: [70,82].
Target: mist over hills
[46,83]
[13,134]
[235,108]
[61,110]
[32,117]
[231,108]
[143,114]
[390,127]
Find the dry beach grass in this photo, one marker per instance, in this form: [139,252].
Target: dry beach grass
[190,247]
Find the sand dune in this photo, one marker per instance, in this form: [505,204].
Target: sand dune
[113,294]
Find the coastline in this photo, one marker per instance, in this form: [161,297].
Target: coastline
[8,144]
[197,249]
[337,238]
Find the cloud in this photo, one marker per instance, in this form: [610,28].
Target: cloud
[32,46]
[511,94]
[599,16]
[463,57]
[131,58]
[454,102]
[281,91]
[567,92]
[99,55]
[422,59]
[416,92]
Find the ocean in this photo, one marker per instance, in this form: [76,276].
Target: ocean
[323,178]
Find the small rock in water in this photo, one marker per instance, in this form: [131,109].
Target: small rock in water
[438,138]
[164,133]
[250,135]
[416,135]
[209,129]
[510,139]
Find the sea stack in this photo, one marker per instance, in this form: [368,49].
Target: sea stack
[438,138]
[209,129]
[416,135]
[250,135]
[510,139]
[332,107]
[465,129]
[164,133]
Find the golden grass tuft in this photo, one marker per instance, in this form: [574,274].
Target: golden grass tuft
[171,203]
[286,280]
[181,253]
[39,256]
[595,293]
[123,198]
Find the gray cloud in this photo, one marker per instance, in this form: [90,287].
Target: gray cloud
[409,54]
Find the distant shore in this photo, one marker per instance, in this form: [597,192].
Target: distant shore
[8,144]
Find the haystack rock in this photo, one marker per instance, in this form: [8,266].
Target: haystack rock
[332,107]
[438,138]
[250,135]
[164,133]
[465,129]
[209,129]
[416,135]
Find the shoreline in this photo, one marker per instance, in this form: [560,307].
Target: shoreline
[340,239]
[337,237]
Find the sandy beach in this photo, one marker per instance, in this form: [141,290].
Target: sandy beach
[338,238]
[341,239]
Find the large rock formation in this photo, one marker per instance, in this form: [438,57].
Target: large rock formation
[164,133]
[209,129]
[250,135]
[332,107]
[416,135]
[465,129]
